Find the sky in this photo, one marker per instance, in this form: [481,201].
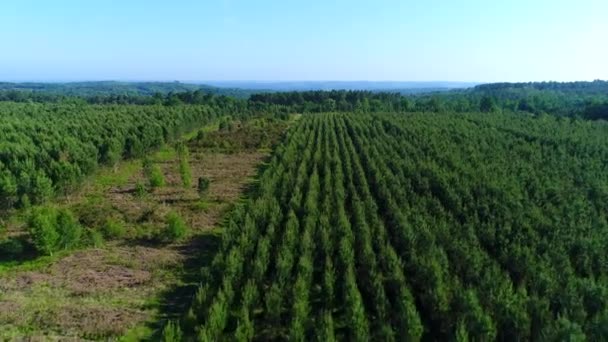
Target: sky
[286,40]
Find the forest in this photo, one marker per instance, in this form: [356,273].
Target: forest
[467,215]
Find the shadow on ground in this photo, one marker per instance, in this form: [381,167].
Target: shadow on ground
[200,251]
[16,249]
[175,302]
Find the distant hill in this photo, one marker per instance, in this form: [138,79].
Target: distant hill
[597,87]
[116,88]
[239,89]
[94,90]
[381,86]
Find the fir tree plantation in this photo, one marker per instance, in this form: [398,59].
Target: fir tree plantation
[417,226]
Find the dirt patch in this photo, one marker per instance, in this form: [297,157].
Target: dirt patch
[123,200]
[23,281]
[95,322]
[111,277]
[93,293]
[104,270]
[87,272]
[9,312]
[150,258]
[96,270]
[224,169]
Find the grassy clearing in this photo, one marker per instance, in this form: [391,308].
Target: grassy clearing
[117,176]
[165,154]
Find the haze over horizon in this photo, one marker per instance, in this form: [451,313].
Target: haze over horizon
[276,41]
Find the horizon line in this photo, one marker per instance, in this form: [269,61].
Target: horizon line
[237,81]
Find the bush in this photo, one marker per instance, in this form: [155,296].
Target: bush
[185,173]
[113,229]
[69,230]
[54,229]
[146,165]
[156,177]
[184,165]
[175,229]
[140,190]
[43,229]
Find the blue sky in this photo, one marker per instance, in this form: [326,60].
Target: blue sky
[431,40]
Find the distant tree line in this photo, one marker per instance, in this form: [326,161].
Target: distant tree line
[525,100]
[160,98]
[578,99]
[596,87]
[575,99]
[112,88]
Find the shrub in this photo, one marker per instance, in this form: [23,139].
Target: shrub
[156,177]
[146,165]
[113,229]
[54,229]
[184,166]
[69,230]
[175,229]
[140,190]
[42,227]
[186,174]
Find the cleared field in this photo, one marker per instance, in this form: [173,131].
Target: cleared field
[418,226]
[123,286]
